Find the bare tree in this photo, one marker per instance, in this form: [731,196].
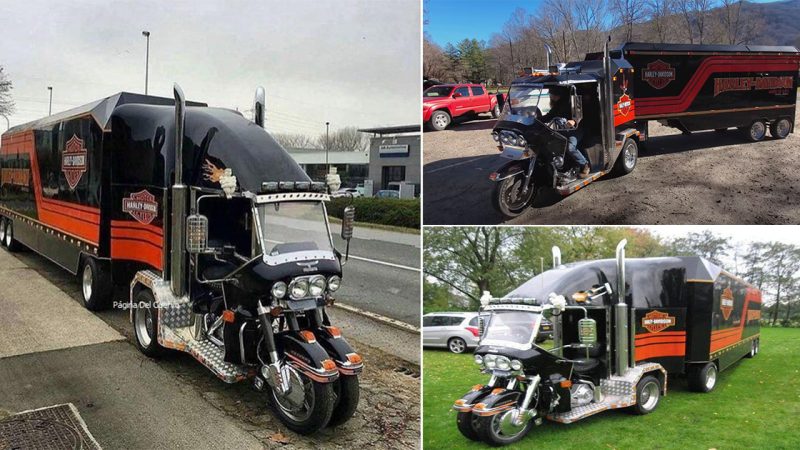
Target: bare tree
[294,140]
[347,139]
[434,62]
[662,19]
[695,14]
[627,14]
[7,106]
[733,27]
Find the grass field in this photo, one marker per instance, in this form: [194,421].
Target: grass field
[756,404]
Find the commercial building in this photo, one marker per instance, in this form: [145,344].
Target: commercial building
[394,158]
[352,167]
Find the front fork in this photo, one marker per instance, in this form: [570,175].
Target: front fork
[276,375]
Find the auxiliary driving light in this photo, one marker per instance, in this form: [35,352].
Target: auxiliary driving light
[298,288]
[334,282]
[279,289]
[516,364]
[490,361]
[478,359]
[316,285]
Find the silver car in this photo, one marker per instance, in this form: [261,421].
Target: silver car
[456,331]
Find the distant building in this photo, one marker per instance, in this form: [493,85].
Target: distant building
[394,157]
[352,167]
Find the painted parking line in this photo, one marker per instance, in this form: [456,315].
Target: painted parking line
[450,166]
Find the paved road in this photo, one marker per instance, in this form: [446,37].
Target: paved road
[706,178]
[131,401]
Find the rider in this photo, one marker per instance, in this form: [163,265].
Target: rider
[560,107]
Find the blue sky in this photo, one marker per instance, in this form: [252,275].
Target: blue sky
[454,20]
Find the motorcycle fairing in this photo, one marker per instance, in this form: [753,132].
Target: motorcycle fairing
[308,357]
[331,339]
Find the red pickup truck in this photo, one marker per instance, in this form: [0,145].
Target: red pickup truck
[443,103]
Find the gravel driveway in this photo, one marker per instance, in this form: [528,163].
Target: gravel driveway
[705,178]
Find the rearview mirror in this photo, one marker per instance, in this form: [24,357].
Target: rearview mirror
[348,222]
[577,108]
[457,95]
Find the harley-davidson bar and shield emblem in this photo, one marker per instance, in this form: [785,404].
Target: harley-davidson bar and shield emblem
[624,104]
[726,302]
[656,321]
[142,206]
[73,161]
[658,74]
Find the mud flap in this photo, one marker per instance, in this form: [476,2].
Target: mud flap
[304,353]
[347,360]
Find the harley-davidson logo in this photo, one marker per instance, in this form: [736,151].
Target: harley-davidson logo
[309,266]
[142,206]
[624,104]
[656,321]
[73,161]
[658,74]
[726,302]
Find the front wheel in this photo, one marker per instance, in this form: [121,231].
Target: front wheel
[307,407]
[347,392]
[648,393]
[467,423]
[500,429]
[509,197]
[627,159]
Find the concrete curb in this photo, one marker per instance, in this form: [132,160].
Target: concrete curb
[378,318]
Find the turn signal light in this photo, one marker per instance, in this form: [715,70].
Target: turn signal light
[276,311]
[328,365]
[480,406]
[308,337]
[477,387]
[354,358]
[496,391]
[228,316]
[566,384]
[334,331]
[460,402]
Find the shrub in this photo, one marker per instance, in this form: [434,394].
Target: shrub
[383,211]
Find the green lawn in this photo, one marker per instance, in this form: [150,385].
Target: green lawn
[756,404]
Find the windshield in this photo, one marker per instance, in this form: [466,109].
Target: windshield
[511,329]
[438,91]
[297,228]
[524,99]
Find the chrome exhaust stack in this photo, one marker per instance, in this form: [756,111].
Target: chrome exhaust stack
[621,333]
[177,270]
[549,55]
[556,256]
[259,106]
[607,112]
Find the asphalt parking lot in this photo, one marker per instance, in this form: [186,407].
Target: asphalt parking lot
[705,178]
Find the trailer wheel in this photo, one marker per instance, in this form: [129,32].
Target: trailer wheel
[648,394]
[440,120]
[702,378]
[145,324]
[11,244]
[3,231]
[756,131]
[780,129]
[626,161]
[95,285]
[758,345]
[752,351]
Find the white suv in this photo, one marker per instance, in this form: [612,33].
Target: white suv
[456,331]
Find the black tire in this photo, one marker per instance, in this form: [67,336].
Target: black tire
[466,422]
[507,198]
[440,120]
[780,128]
[144,303]
[320,415]
[96,288]
[11,244]
[702,377]
[347,393]
[627,159]
[648,395]
[487,430]
[2,231]
[457,345]
[752,352]
[756,131]
[496,111]
[758,346]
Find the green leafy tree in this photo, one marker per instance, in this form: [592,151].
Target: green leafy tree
[705,244]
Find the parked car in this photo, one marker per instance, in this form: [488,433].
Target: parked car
[445,102]
[352,191]
[456,331]
[545,331]
[387,193]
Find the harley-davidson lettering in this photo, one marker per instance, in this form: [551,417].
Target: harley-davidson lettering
[658,74]
[142,206]
[755,83]
[73,161]
[656,321]
[309,266]
[726,303]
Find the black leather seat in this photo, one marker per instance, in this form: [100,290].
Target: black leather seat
[581,363]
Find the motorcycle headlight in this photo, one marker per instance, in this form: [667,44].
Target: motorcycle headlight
[489,361]
[503,363]
[496,137]
[504,139]
[478,359]
[521,141]
[516,364]
[316,285]
[279,289]
[298,288]
[334,282]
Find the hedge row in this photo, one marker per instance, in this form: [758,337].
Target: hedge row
[383,211]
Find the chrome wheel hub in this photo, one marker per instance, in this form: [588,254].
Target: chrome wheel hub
[649,395]
[510,423]
[144,325]
[783,128]
[298,402]
[711,377]
[757,130]
[87,278]
[457,346]
[440,120]
[3,231]
[630,156]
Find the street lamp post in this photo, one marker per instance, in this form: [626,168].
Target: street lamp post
[327,146]
[50,108]
[146,34]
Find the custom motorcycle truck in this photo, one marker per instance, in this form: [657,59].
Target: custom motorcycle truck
[614,94]
[620,328]
[221,237]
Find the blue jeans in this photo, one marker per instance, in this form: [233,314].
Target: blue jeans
[572,139]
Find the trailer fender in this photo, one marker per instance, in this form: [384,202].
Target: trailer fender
[471,398]
[499,400]
[304,353]
[657,371]
[348,362]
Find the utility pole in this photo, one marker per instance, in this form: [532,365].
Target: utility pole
[146,34]
[50,108]
[327,146]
